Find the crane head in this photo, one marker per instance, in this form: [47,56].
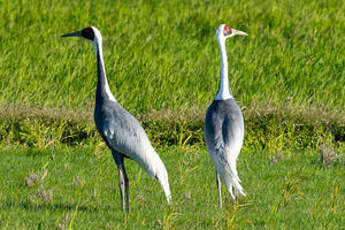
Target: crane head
[90,33]
[225,31]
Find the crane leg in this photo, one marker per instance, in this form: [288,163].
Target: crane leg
[126,188]
[121,186]
[123,181]
[219,188]
[236,196]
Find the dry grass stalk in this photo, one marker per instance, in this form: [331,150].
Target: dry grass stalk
[33,178]
[45,195]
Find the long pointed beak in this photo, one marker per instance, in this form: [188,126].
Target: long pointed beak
[237,32]
[73,34]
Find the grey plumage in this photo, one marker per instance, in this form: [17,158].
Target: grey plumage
[122,133]
[224,131]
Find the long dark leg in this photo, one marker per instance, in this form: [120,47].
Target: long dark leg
[219,188]
[123,180]
[126,188]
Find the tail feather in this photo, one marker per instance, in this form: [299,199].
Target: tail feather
[232,182]
[236,180]
[236,186]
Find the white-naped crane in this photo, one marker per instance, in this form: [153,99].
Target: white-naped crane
[122,133]
[224,127]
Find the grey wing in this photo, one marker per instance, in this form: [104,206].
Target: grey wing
[214,137]
[224,133]
[224,136]
[124,134]
[223,151]
[233,134]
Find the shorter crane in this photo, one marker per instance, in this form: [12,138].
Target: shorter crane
[224,127]
[122,133]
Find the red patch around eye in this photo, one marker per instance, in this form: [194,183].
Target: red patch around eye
[227,29]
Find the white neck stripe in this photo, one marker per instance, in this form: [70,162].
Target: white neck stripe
[224,90]
[98,48]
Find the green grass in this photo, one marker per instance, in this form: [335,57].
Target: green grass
[163,65]
[292,190]
[163,55]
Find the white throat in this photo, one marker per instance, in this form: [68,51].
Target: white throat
[97,43]
[224,90]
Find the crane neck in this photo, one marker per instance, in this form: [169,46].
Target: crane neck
[103,91]
[224,92]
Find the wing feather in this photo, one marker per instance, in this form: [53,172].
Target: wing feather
[224,137]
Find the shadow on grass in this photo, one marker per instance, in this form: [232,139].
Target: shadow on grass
[47,206]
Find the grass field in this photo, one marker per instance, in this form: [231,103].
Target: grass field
[156,53]
[79,190]
[163,65]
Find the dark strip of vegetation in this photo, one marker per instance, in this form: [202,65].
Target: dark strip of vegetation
[269,130]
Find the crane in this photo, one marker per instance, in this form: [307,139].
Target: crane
[224,126]
[122,133]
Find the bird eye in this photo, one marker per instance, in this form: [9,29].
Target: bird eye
[227,30]
[88,33]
